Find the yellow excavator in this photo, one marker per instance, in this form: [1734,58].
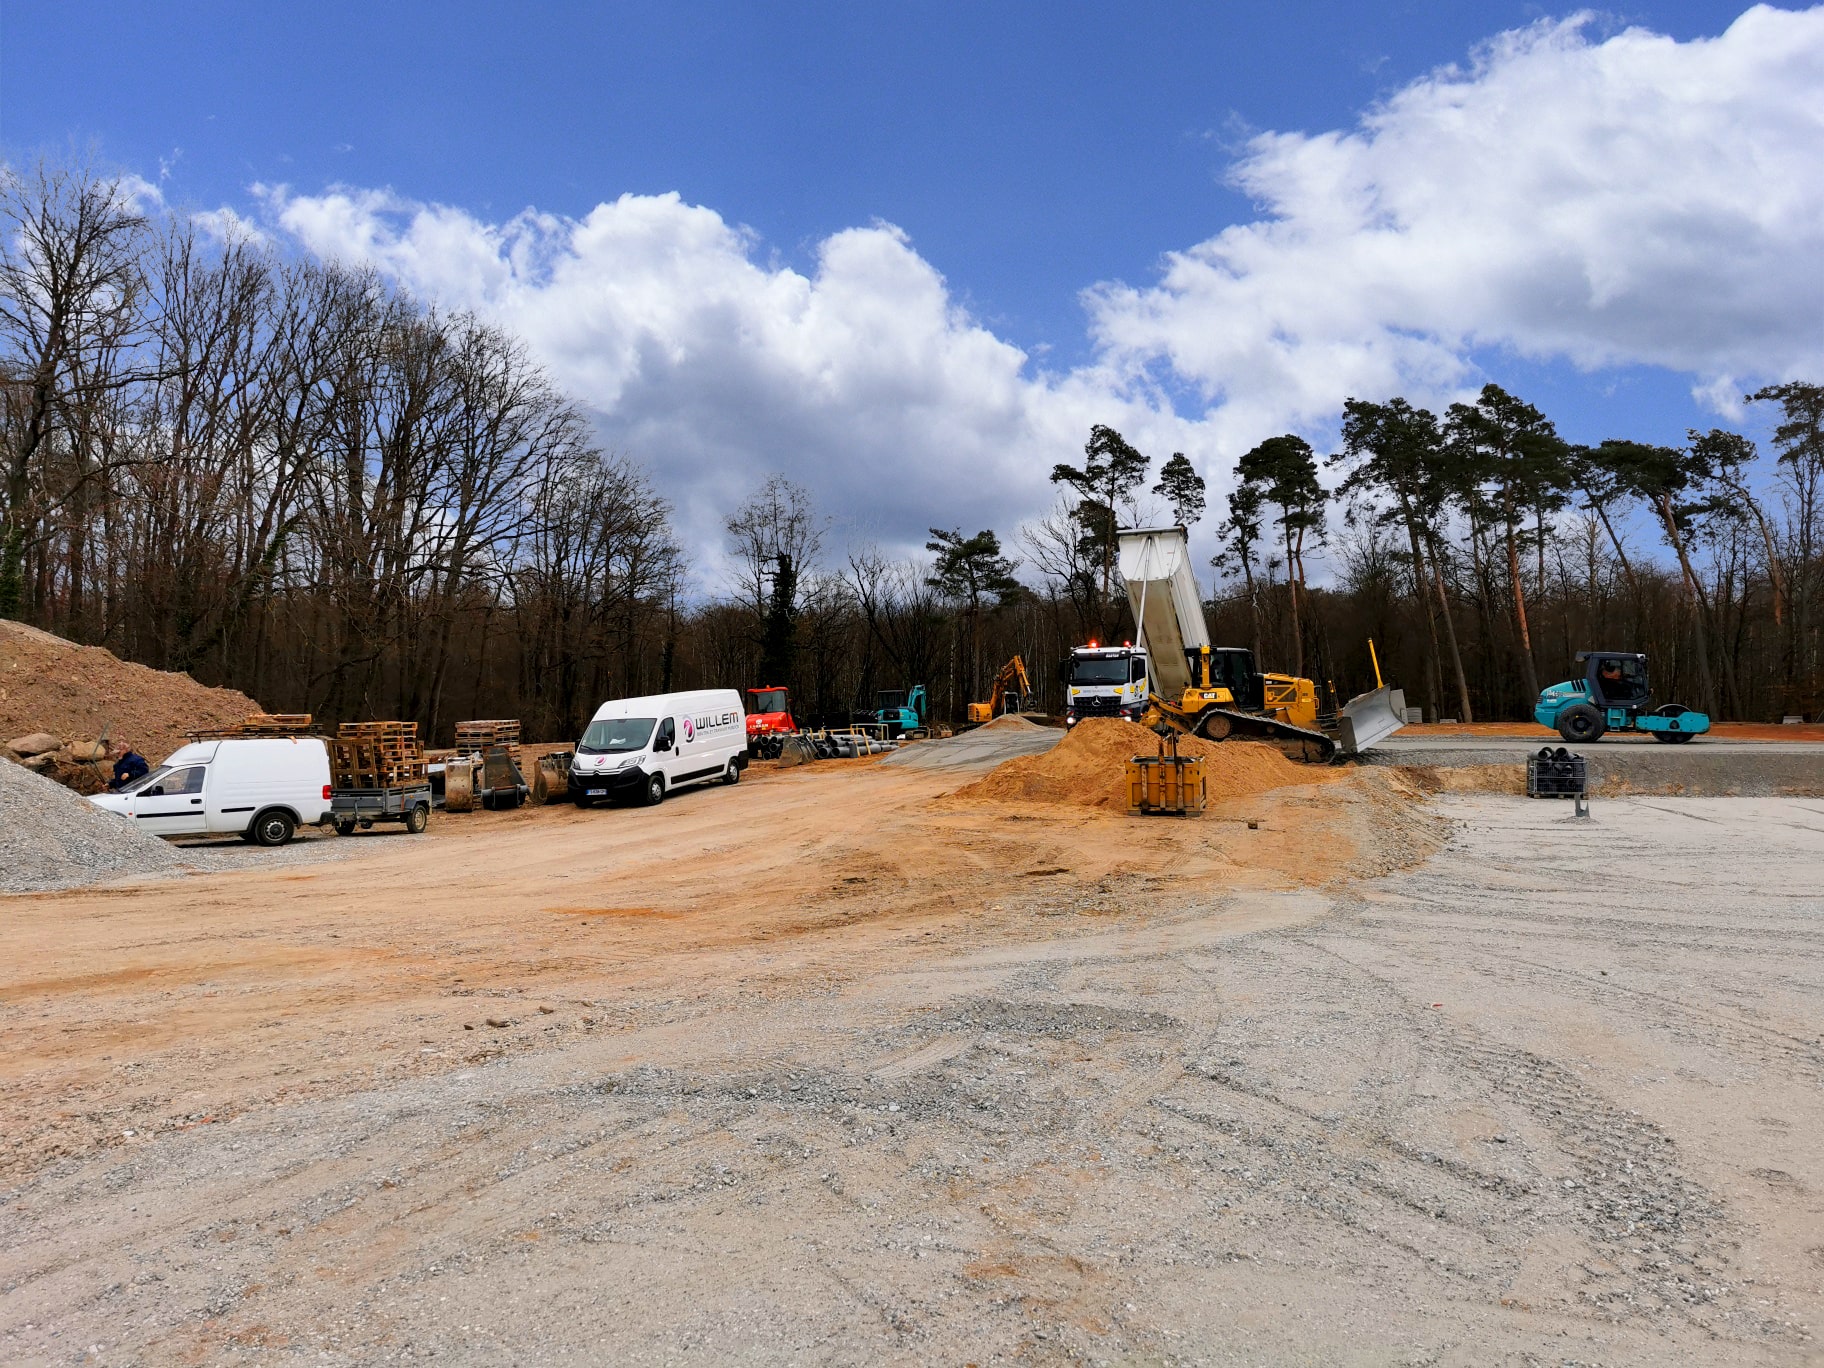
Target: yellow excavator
[1011,692]
[1216,692]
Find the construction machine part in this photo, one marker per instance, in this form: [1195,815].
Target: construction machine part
[1581,723]
[796,750]
[1297,743]
[502,785]
[1369,718]
[1167,605]
[551,778]
[458,786]
[1167,784]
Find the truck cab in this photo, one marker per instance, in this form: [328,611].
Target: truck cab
[1105,681]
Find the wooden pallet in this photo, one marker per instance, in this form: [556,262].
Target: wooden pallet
[275,724]
[480,737]
[377,755]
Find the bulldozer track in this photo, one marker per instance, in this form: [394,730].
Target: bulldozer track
[1299,743]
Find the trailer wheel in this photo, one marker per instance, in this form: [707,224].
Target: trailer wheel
[655,790]
[1580,722]
[345,827]
[418,818]
[732,775]
[271,828]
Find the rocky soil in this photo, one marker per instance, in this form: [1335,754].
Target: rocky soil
[76,692]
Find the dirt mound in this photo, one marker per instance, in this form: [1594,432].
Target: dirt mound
[51,685]
[53,838]
[1010,722]
[1089,768]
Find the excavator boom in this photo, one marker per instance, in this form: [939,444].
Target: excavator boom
[1011,678]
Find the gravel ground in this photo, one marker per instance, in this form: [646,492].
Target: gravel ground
[1620,764]
[51,837]
[1551,1098]
[311,845]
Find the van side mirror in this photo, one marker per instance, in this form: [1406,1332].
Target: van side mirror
[662,744]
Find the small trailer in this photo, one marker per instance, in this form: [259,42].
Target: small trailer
[378,774]
[351,808]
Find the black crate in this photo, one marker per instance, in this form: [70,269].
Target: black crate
[1556,773]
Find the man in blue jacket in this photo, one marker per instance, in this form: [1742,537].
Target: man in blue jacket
[131,766]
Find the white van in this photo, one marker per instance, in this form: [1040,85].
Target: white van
[644,747]
[261,788]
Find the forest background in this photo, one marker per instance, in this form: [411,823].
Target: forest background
[290,477]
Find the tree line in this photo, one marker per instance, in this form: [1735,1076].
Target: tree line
[291,477]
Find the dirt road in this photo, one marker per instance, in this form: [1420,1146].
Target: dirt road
[833,1068]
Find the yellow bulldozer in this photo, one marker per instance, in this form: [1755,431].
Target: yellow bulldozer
[1011,692]
[1215,691]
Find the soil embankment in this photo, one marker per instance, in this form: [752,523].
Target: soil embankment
[76,693]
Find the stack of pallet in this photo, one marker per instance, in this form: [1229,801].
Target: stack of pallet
[275,724]
[377,755]
[257,724]
[478,738]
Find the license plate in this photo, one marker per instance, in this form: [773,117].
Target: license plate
[596,793]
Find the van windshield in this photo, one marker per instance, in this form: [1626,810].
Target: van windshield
[614,735]
[145,780]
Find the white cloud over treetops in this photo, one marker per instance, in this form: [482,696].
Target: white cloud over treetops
[1628,201]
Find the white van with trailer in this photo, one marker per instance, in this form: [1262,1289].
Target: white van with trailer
[643,748]
[259,788]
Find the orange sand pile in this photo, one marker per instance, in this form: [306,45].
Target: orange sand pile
[1010,722]
[1089,768]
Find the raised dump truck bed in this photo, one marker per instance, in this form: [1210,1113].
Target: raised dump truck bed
[1187,692]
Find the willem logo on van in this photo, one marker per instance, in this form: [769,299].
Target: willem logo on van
[690,730]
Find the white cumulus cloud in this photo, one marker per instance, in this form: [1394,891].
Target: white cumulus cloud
[1636,201]
[863,380]
[1607,203]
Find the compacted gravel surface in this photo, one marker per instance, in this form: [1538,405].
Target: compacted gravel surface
[1550,1097]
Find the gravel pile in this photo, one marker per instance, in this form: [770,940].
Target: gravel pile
[53,838]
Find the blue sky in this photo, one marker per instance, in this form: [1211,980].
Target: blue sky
[1026,152]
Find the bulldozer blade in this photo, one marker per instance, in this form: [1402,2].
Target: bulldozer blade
[1368,718]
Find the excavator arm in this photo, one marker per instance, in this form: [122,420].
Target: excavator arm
[1010,678]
